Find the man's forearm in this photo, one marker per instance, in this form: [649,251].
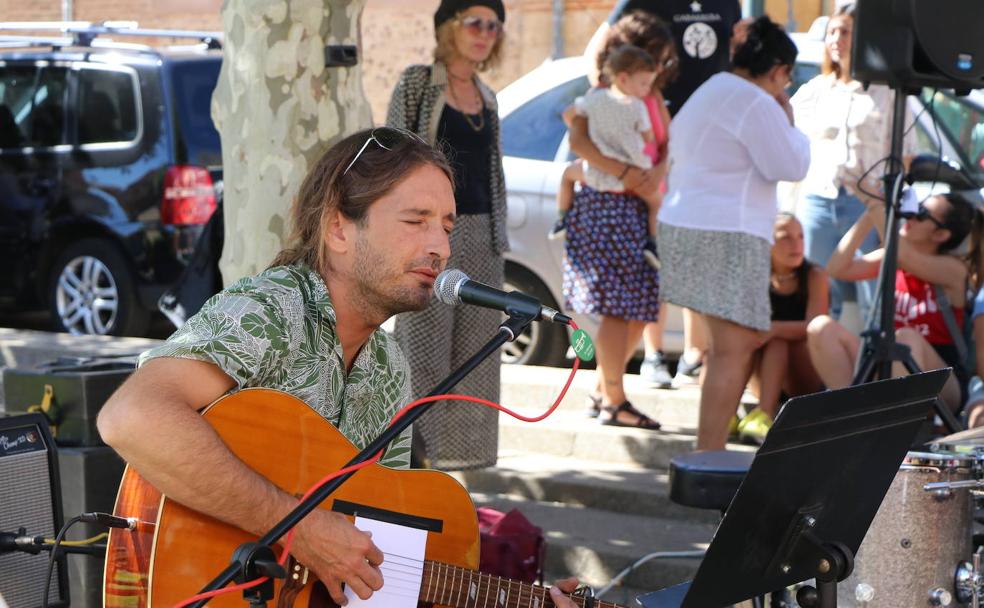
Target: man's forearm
[200,472]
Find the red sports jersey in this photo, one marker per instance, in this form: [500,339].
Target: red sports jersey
[916,307]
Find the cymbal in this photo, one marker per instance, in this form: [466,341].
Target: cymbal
[969,437]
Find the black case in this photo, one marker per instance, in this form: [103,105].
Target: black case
[90,480]
[80,387]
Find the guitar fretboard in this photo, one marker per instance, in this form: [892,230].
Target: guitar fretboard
[449,585]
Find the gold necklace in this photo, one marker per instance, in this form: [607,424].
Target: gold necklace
[478,125]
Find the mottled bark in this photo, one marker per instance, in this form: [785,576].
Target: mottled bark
[277,108]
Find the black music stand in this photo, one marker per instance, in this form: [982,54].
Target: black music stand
[810,494]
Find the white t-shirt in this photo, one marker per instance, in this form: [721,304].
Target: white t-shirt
[615,125]
[850,131]
[729,146]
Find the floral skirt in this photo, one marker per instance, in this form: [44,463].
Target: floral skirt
[605,272]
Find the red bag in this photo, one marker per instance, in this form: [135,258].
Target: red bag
[511,547]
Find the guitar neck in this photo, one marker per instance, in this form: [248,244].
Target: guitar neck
[458,587]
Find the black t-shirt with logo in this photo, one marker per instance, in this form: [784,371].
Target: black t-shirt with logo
[702,30]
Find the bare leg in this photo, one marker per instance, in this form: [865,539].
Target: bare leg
[727,367]
[771,371]
[927,358]
[653,202]
[694,336]
[801,378]
[610,349]
[833,350]
[635,331]
[565,193]
[652,335]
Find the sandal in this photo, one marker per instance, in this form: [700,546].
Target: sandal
[593,404]
[641,421]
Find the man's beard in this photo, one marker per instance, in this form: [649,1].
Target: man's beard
[379,286]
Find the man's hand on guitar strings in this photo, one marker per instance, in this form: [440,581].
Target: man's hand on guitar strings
[338,552]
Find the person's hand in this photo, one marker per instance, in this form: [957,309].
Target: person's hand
[568,115]
[641,180]
[764,337]
[560,589]
[338,552]
[783,100]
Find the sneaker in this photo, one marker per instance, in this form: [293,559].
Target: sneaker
[654,371]
[559,229]
[649,252]
[754,427]
[688,374]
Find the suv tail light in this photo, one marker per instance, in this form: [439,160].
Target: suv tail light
[189,195]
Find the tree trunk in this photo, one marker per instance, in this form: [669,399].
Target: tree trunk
[277,108]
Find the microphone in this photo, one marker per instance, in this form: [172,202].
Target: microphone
[453,287]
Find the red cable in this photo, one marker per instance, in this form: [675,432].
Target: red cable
[355,467]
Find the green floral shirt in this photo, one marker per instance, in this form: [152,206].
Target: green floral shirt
[277,330]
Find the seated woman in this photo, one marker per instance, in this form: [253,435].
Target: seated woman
[926,261]
[798,292]
[975,387]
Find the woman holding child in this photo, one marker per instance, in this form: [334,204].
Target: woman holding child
[733,141]
[609,226]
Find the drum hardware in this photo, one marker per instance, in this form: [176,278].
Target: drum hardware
[968,582]
[923,528]
[945,486]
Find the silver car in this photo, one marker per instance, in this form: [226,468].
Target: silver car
[536,150]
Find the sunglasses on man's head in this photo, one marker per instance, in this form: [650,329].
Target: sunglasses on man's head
[923,214]
[386,138]
[477,25]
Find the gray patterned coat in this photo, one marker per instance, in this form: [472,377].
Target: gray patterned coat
[416,105]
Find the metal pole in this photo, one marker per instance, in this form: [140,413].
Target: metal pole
[558,29]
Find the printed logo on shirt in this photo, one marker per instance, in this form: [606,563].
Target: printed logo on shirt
[699,40]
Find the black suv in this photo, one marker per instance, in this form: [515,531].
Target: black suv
[109,167]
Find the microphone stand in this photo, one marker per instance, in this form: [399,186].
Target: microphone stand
[255,559]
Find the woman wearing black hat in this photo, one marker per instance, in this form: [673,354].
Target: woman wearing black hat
[448,105]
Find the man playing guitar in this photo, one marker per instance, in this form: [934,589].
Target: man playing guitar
[370,235]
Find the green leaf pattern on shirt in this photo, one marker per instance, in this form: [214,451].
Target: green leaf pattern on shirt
[277,330]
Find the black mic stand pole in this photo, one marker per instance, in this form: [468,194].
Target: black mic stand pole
[879,348]
[256,559]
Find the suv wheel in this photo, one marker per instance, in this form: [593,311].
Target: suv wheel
[541,343]
[91,291]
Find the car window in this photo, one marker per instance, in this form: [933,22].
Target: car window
[964,125]
[802,73]
[32,106]
[107,106]
[16,87]
[193,83]
[535,129]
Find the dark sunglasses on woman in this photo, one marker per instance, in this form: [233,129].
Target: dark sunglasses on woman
[923,214]
[477,25]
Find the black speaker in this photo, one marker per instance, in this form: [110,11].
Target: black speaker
[29,499]
[910,44]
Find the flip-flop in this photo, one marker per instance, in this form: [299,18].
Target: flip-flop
[642,421]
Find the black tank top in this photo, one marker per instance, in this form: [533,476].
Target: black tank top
[470,153]
[792,307]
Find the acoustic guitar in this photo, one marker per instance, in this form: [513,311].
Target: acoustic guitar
[175,551]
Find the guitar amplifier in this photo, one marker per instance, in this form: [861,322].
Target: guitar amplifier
[79,388]
[90,478]
[29,499]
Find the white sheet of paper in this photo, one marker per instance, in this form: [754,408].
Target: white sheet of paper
[402,568]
